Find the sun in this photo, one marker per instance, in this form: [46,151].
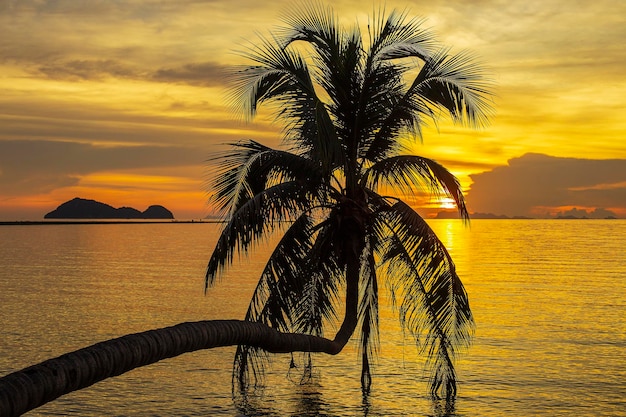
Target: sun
[447,203]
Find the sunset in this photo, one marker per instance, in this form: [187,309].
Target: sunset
[124,103]
[213,208]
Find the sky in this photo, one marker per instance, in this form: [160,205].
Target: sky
[124,101]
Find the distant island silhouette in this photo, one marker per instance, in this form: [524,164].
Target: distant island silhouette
[454,215]
[574,214]
[80,208]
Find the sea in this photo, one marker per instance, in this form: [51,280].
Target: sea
[548,297]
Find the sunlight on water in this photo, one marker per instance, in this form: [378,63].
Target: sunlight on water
[549,299]
[549,302]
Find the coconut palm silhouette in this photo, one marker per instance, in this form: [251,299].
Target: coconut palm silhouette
[350,101]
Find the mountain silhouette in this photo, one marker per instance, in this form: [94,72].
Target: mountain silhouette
[80,208]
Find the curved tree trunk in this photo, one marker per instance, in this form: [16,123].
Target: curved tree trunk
[36,385]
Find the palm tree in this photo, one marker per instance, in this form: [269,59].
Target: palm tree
[348,109]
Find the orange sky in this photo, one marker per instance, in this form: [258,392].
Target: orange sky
[123,103]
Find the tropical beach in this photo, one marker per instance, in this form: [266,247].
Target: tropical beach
[331,237]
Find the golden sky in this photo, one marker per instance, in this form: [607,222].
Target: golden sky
[122,101]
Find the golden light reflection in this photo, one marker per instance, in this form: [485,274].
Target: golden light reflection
[456,237]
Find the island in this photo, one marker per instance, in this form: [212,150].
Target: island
[80,208]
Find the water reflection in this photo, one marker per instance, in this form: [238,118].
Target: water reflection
[443,408]
[308,399]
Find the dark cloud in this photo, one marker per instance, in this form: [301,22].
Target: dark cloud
[75,7]
[31,167]
[77,70]
[536,180]
[204,74]
[201,74]
[61,119]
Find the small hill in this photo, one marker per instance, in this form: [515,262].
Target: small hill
[80,208]
[157,212]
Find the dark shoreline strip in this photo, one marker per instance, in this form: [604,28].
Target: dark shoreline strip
[64,222]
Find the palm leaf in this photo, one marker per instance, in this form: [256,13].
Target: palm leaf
[284,78]
[250,167]
[433,304]
[393,39]
[257,217]
[273,298]
[398,37]
[401,114]
[368,315]
[338,61]
[409,173]
[280,74]
[296,293]
[456,83]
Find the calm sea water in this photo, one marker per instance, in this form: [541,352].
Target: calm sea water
[549,298]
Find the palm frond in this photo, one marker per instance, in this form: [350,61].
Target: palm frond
[318,27]
[284,79]
[318,137]
[433,304]
[390,111]
[409,173]
[280,74]
[368,315]
[382,88]
[274,297]
[403,114]
[250,167]
[398,37]
[255,218]
[314,23]
[338,58]
[456,83]
[296,293]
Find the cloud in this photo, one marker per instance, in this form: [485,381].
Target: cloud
[33,167]
[201,74]
[535,182]
[79,70]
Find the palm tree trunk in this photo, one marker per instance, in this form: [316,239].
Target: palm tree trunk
[34,386]
[350,319]
[351,230]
